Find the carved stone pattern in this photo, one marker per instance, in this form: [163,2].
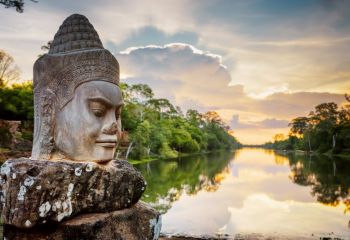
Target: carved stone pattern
[75,33]
[82,71]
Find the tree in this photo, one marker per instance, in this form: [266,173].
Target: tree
[194,117]
[325,119]
[325,112]
[9,71]
[279,137]
[344,113]
[17,4]
[301,126]
[213,117]
[162,105]
[16,102]
[140,93]
[45,48]
[141,139]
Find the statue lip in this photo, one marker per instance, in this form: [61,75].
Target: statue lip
[107,142]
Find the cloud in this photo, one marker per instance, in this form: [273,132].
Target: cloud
[263,60]
[268,46]
[290,105]
[193,78]
[181,70]
[263,124]
[150,35]
[115,21]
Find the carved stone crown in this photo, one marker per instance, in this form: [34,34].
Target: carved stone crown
[75,33]
[76,56]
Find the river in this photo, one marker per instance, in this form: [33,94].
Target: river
[251,192]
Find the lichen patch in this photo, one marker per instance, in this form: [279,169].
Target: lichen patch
[6,168]
[78,171]
[21,193]
[89,167]
[28,182]
[28,223]
[44,209]
[65,207]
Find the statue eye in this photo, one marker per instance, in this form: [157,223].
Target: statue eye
[98,109]
[98,112]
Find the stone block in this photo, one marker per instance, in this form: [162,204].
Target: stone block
[33,192]
[135,223]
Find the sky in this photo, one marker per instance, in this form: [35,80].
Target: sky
[258,63]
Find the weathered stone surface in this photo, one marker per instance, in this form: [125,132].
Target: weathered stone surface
[34,192]
[77,99]
[135,223]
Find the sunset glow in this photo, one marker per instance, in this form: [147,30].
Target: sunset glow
[259,64]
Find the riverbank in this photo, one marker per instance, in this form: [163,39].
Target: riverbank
[313,153]
[181,155]
[248,237]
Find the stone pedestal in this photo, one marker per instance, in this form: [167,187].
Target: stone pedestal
[74,200]
[34,192]
[135,223]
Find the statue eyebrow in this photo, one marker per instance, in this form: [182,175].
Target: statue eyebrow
[104,101]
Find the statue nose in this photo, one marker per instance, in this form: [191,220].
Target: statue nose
[111,130]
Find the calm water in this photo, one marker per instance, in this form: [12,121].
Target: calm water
[252,191]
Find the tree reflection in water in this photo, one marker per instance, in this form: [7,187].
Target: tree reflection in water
[168,179]
[328,177]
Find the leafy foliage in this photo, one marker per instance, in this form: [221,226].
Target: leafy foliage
[326,129]
[156,129]
[16,102]
[17,4]
[159,129]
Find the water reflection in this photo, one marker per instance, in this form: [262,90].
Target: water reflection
[168,180]
[329,178]
[253,191]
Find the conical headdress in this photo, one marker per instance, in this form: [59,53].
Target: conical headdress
[75,33]
[76,56]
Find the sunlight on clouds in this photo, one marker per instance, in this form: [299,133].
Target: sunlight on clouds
[244,56]
[269,90]
[285,217]
[322,42]
[258,136]
[199,79]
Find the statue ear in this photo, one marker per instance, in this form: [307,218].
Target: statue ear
[43,144]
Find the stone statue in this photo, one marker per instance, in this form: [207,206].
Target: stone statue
[76,97]
[77,190]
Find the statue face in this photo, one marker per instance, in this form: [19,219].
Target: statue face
[86,128]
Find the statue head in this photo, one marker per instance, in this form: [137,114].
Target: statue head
[77,100]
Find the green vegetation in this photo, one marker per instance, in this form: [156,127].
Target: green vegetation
[16,102]
[325,130]
[157,129]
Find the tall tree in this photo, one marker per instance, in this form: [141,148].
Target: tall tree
[301,126]
[325,119]
[9,71]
